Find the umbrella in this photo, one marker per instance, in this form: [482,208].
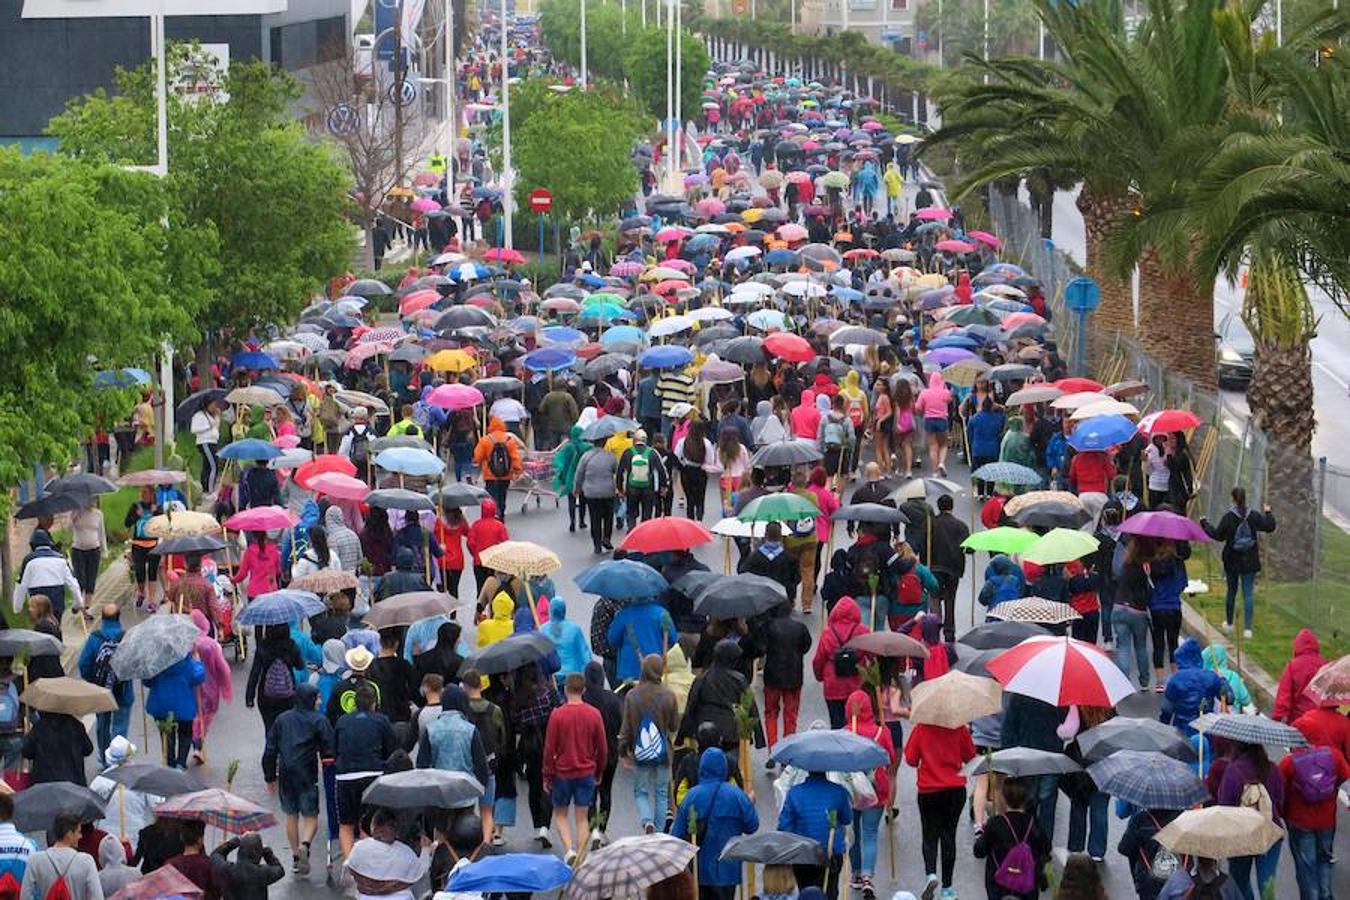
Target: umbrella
[791,452]
[262,518]
[166,881]
[413,606]
[954,699]
[188,543]
[1149,780]
[1331,685]
[455,396]
[399,498]
[1125,733]
[746,350]
[739,597]
[1020,762]
[789,347]
[1052,514]
[775,848]
[460,494]
[368,287]
[450,360]
[520,558]
[326,581]
[1218,832]
[549,359]
[877,513]
[72,696]
[181,524]
[1249,729]
[162,781]
[622,578]
[669,356]
[82,483]
[779,508]
[1001,540]
[399,442]
[335,484]
[1036,393]
[607,427]
[1061,671]
[281,608]
[254,361]
[36,808]
[889,644]
[250,448]
[1102,433]
[1022,501]
[51,505]
[628,867]
[1000,635]
[1036,610]
[410,461]
[1061,545]
[219,808]
[1164,524]
[423,789]
[156,643]
[510,653]
[829,751]
[926,486]
[510,873]
[23,642]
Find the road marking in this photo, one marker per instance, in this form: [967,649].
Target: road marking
[1332,375]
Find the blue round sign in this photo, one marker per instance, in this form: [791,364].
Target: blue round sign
[1082,295]
[343,120]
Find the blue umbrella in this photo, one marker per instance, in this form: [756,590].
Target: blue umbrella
[700,242]
[562,336]
[1007,473]
[254,360]
[549,359]
[281,608]
[1149,780]
[964,342]
[847,294]
[622,578]
[594,282]
[669,356]
[341,320]
[830,751]
[607,427]
[780,257]
[250,448]
[1101,433]
[511,873]
[410,461]
[623,334]
[468,272]
[122,378]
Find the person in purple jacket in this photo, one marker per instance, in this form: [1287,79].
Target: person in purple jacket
[1252,780]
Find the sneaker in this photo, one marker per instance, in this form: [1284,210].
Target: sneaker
[949,893]
[649,828]
[1246,634]
[1158,688]
[856,884]
[868,891]
[600,840]
[1098,859]
[1227,626]
[498,839]
[768,764]
[570,857]
[930,888]
[542,837]
[302,861]
[607,545]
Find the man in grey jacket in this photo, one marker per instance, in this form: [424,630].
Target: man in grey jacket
[62,860]
[595,484]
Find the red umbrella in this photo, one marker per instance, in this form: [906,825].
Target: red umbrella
[861,253]
[506,255]
[670,286]
[1078,385]
[418,300]
[1061,671]
[335,484]
[954,246]
[790,347]
[665,534]
[319,465]
[1165,421]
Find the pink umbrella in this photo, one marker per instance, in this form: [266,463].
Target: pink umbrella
[1165,421]
[872,125]
[985,237]
[425,205]
[953,246]
[792,232]
[797,176]
[810,146]
[680,265]
[261,518]
[426,179]
[560,305]
[418,300]
[1014,320]
[362,352]
[626,269]
[710,207]
[455,396]
[505,255]
[287,441]
[343,487]
[385,335]
[1164,524]
[934,214]
[671,233]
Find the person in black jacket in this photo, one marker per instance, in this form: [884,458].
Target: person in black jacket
[443,659]
[57,744]
[1002,833]
[254,868]
[1138,846]
[399,687]
[364,740]
[274,643]
[771,560]
[407,576]
[948,562]
[1241,554]
[296,741]
[713,698]
[786,641]
[611,712]
[1028,722]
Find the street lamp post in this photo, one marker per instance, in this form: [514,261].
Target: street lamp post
[670,94]
[508,176]
[583,44]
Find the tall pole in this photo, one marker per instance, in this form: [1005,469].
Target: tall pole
[451,129]
[679,77]
[1040,40]
[939,34]
[508,175]
[670,94]
[583,45]
[161,97]
[397,91]
[1279,23]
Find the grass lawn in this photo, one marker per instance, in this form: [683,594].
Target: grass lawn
[1282,608]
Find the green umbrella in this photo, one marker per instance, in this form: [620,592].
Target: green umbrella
[602,297]
[778,508]
[1000,540]
[1060,545]
[971,315]
[834,180]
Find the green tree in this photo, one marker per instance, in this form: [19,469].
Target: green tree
[1012,27]
[645,68]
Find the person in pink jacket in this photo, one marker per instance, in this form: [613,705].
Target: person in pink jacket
[932,406]
[214,690]
[844,624]
[805,417]
[260,566]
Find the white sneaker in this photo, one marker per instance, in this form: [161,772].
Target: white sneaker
[930,888]
[1227,626]
[570,857]
[542,837]
[1246,634]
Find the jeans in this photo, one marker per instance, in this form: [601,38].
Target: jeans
[109,725]
[939,816]
[1240,870]
[1130,626]
[462,451]
[1248,582]
[789,701]
[496,488]
[862,856]
[651,794]
[1087,823]
[177,742]
[1313,865]
[1045,799]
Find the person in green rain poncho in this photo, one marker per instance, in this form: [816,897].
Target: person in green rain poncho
[564,475]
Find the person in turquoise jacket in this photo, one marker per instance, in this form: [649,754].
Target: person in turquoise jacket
[172,702]
[1216,659]
[573,649]
[636,631]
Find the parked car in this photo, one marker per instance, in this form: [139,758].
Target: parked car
[1235,352]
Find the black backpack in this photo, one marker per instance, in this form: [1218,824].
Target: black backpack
[101,670]
[845,659]
[1211,891]
[499,460]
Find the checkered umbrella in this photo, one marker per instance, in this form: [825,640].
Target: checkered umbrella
[627,867]
[219,808]
[166,881]
[1250,729]
[1007,473]
[1149,780]
[1035,610]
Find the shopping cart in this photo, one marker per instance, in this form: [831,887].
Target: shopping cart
[536,478]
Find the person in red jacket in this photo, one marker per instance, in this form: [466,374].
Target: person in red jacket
[1291,699]
[451,530]
[575,753]
[1310,814]
[939,753]
[1090,471]
[488,531]
[1325,727]
[867,819]
[844,624]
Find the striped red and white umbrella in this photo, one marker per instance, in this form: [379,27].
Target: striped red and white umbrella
[1061,671]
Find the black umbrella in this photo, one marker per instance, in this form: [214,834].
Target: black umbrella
[423,789]
[870,512]
[605,365]
[786,453]
[409,353]
[691,584]
[194,402]
[775,848]
[975,662]
[460,494]
[51,505]
[744,350]
[36,808]
[739,597]
[464,317]
[1050,514]
[368,287]
[85,483]
[188,543]
[1000,635]
[23,642]
[509,653]
[162,781]
[500,384]
[1124,733]
[399,498]
[1011,372]
[1020,762]
[715,333]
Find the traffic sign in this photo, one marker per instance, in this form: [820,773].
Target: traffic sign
[1082,295]
[405,96]
[541,201]
[343,120]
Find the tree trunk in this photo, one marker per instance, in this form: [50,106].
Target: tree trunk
[205,357]
[1176,320]
[1281,401]
[1115,315]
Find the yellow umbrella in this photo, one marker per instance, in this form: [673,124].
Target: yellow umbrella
[523,559]
[179,524]
[752,215]
[450,361]
[955,699]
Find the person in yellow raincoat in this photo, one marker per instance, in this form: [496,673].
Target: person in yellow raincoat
[502,623]
[895,187]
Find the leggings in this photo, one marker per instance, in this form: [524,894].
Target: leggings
[450,578]
[177,742]
[695,482]
[601,510]
[1166,627]
[208,454]
[85,563]
[576,508]
[532,759]
[939,814]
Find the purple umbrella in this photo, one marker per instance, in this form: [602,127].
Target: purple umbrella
[1163,524]
[946,356]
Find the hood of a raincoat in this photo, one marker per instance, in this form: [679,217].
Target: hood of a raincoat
[594,673]
[851,380]
[111,853]
[39,538]
[712,766]
[763,409]
[1306,643]
[199,620]
[808,400]
[822,399]
[930,627]
[523,620]
[454,697]
[405,559]
[496,426]
[1187,656]
[727,653]
[1215,657]
[448,634]
[503,607]
[575,434]
[333,518]
[557,610]
[935,382]
[309,515]
[652,668]
[305,695]
[858,710]
[1002,564]
[334,656]
[845,613]
[488,509]
[676,661]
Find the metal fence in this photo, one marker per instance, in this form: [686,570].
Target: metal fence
[1228,449]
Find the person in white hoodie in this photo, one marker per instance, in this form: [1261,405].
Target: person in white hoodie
[45,571]
[205,427]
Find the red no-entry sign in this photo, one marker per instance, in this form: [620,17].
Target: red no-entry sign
[541,201]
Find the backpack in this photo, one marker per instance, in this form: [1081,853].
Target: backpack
[360,448]
[101,670]
[1255,796]
[499,460]
[1211,891]
[910,590]
[1315,774]
[833,432]
[845,659]
[1164,861]
[60,888]
[11,712]
[855,413]
[649,744]
[1017,872]
[1244,538]
[640,469]
[278,681]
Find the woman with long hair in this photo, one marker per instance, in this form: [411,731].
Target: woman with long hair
[883,425]
[317,556]
[902,438]
[734,461]
[697,457]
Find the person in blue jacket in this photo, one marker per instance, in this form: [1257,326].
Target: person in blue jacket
[295,541]
[986,434]
[107,725]
[574,650]
[819,809]
[1192,689]
[172,703]
[720,812]
[637,631]
[1003,580]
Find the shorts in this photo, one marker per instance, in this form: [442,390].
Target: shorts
[298,798]
[936,426]
[833,463]
[349,799]
[489,792]
[578,791]
[144,564]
